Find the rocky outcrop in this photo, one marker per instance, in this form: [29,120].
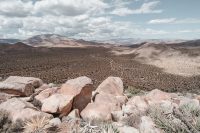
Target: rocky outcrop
[81,89]
[19,109]
[76,103]
[22,86]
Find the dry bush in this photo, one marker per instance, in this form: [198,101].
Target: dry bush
[37,124]
[109,128]
[104,128]
[185,119]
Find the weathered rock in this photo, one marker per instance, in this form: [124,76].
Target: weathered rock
[41,88]
[148,126]
[36,82]
[58,104]
[81,88]
[110,101]
[96,111]
[22,86]
[138,102]
[20,109]
[4,97]
[74,114]
[185,100]
[55,122]
[45,94]
[117,115]
[17,88]
[156,96]
[112,85]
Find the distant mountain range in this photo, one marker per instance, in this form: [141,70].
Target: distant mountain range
[54,40]
[10,41]
[132,41]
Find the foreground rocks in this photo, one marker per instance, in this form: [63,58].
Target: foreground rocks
[81,108]
[22,86]
[20,109]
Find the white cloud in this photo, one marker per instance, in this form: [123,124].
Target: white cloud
[146,8]
[175,21]
[162,21]
[69,7]
[122,11]
[87,19]
[15,8]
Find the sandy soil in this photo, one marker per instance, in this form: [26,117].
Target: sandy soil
[170,60]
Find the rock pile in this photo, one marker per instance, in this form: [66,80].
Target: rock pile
[77,102]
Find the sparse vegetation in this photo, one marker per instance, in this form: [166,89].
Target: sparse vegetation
[37,124]
[185,119]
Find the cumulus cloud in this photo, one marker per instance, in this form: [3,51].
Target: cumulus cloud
[146,8]
[15,8]
[87,19]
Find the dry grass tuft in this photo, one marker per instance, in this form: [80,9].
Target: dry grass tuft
[37,124]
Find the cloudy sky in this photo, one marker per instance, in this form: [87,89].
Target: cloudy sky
[101,19]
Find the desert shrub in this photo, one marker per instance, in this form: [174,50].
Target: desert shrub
[166,122]
[103,128]
[184,119]
[37,124]
[5,121]
[109,128]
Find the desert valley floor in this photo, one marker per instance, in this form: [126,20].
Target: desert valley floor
[56,65]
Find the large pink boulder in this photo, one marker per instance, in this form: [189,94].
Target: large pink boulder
[110,100]
[81,89]
[112,85]
[58,104]
[97,111]
[20,109]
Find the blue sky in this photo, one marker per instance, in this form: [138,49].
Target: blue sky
[101,19]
